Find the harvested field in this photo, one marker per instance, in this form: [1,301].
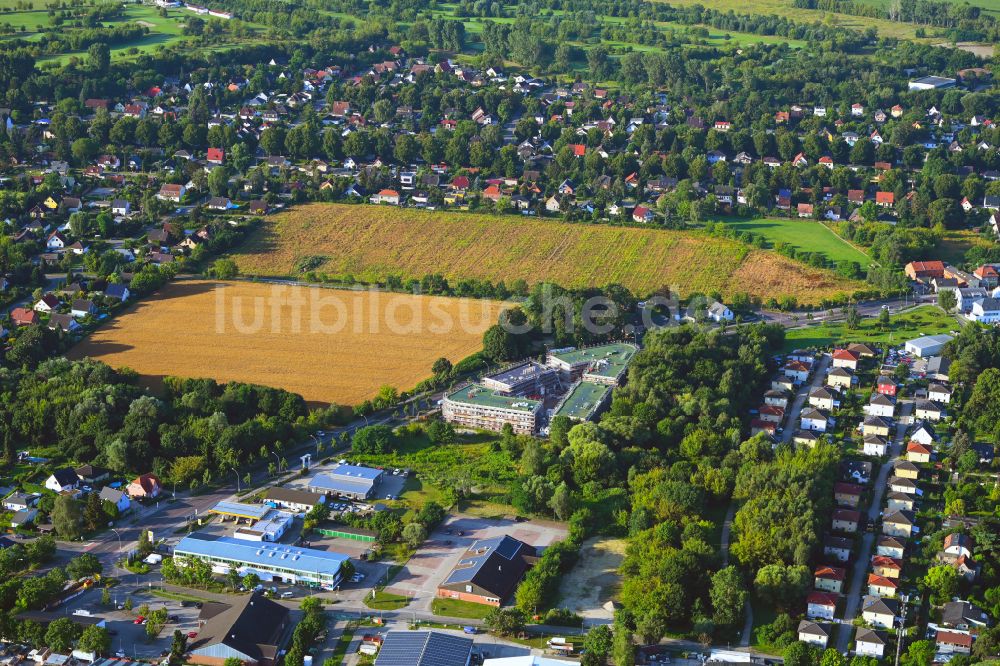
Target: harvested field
[330,346]
[372,242]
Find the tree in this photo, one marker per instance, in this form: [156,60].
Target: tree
[947,300]
[61,634]
[232,661]
[374,440]
[95,639]
[498,344]
[597,645]
[800,654]
[728,594]
[623,650]
[251,580]
[504,621]
[883,319]
[782,585]
[442,367]
[233,577]
[942,582]
[414,534]
[561,502]
[83,565]
[920,653]
[178,646]
[67,518]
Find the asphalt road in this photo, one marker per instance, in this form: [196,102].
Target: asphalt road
[859,577]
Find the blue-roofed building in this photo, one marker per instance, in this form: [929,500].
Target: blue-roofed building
[273,562]
[424,648]
[118,291]
[489,571]
[350,481]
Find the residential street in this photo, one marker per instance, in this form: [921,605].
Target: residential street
[802,395]
[859,576]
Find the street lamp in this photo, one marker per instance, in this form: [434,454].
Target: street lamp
[237,479]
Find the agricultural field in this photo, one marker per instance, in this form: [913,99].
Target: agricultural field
[330,346]
[920,321]
[785,8]
[371,242]
[804,236]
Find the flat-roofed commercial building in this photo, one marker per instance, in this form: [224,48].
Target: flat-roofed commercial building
[530,378]
[603,364]
[476,406]
[272,562]
[240,511]
[292,499]
[350,481]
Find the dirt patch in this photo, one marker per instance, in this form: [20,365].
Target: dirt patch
[146,24]
[981,50]
[594,580]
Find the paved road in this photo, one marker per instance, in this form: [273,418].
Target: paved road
[859,575]
[802,395]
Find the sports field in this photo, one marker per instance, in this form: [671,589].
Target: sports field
[372,242]
[330,346]
[803,235]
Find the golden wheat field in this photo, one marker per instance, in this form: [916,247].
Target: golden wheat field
[330,346]
[371,242]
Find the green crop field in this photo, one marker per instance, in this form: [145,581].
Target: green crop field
[370,243]
[803,235]
[920,321]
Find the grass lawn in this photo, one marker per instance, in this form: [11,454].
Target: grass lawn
[458,608]
[803,235]
[920,321]
[386,601]
[957,242]
[344,642]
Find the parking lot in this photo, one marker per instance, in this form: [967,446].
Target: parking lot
[443,549]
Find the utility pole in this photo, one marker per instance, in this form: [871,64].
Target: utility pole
[901,634]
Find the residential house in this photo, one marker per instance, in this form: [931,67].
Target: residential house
[876,425]
[896,501]
[776,398]
[953,642]
[91,475]
[890,546]
[797,371]
[918,453]
[899,523]
[171,192]
[869,643]
[829,579]
[120,500]
[814,633]
[925,409]
[61,480]
[878,611]
[838,548]
[847,494]
[846,520]
[806,438]
[117,291]
[844,358]
[82,308]
[964,616]
[20,501]
[886,386]
[822,397]
[47,303]
[881,405]
[899,484]
[924,271]
[923,434]
[939,393]
[63,322]
[840,377]
[875,445]
[887,566]
[813,419]
[881,586]
[24,317]
[821,605]
[144,486]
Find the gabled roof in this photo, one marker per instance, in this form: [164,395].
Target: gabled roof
[65,476]
[865,635]
[252,626]
[496,565]
[871,603]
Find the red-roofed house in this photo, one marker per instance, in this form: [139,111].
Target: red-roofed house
[924,270]
[579,150]
[642,214]
[821,605]
[885,199]
[216,156]
[829,579]
[145,485]
[880,586]
[918,453]
[843,358]
[887,566]
[953,642]
[23,317]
